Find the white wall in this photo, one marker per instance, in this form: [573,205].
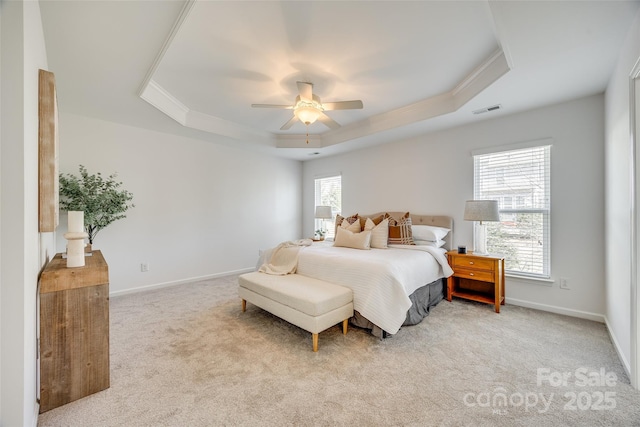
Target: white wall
[433,174]
[23,251]
[201,209]
[618,196]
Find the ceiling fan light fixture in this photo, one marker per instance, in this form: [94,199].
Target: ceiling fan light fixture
[308,108]
[307,114]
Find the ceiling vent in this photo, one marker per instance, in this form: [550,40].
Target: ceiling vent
[487,109]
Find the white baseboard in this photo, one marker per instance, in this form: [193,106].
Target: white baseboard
[558,310]
[616,345]
[178,282]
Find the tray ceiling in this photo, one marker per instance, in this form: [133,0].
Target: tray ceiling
[417,66]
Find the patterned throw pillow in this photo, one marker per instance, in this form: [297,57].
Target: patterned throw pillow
[400,230]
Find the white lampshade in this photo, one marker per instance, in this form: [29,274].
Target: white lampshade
[481,210]
[324,212]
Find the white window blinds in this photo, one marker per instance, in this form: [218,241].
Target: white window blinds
[328,192]
[519,180]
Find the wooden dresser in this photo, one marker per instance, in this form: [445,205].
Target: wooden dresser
[74,330]
[477,278]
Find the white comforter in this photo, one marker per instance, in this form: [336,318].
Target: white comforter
[381,279]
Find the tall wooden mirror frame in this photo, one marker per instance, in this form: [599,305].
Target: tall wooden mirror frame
[48,184]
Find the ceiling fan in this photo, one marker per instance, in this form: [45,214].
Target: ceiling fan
[308,108]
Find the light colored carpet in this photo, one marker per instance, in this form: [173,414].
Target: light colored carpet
[187,356]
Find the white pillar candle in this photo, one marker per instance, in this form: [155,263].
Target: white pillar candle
[75,239]
[75,253]
[76,222]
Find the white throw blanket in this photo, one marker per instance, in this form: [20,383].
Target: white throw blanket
[284,258]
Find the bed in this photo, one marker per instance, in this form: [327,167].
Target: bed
[392,287]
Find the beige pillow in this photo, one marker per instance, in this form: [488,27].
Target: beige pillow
[339,218]
[354,228]
[347,239]
[379,233]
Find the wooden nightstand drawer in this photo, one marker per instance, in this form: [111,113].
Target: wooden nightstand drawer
[484,276]
[475,263]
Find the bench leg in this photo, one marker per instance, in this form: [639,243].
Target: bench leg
[315,342]
[345,323]
[244,305]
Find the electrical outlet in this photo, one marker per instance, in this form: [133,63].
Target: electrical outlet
[564,283]
[144,267]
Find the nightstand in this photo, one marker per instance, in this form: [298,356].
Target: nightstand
[477,278]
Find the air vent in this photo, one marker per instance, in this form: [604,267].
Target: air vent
[487,109]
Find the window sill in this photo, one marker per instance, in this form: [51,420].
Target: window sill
[532,280]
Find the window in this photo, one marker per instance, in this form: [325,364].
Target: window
[328,192]
[519,179]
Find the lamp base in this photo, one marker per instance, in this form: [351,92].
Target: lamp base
[481,240]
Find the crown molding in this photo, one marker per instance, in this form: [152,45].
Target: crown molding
[184,13]
[155,95]
[481,78]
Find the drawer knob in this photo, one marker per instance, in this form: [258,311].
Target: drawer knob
[470,274]
[470,262]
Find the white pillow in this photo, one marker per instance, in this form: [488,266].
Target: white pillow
[348,239]
[379,233]
[438,244]
[429,232]
[354,228]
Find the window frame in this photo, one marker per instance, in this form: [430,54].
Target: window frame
[328,224]
[516,206]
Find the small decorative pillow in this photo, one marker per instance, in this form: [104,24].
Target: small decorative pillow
[429,232]
[379,233]
[347,239]
[400,230]
[377,220]
[339,219]
[354,228]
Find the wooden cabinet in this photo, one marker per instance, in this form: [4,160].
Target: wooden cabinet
[476,278]
[74,330]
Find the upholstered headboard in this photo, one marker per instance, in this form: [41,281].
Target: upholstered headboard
[435,220]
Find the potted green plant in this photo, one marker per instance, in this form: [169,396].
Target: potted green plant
[319,234]
[101,199]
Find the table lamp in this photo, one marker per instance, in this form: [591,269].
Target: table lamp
[323,213]
[481,210]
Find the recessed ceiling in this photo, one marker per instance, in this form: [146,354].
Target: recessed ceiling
[417,66]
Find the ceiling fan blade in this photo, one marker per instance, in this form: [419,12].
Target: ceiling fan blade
[328,121]
[343,105]
[306,91]
[288,107]
[289,123]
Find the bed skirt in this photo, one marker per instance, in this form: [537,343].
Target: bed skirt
[422,300]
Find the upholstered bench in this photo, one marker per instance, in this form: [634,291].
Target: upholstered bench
[308,303]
